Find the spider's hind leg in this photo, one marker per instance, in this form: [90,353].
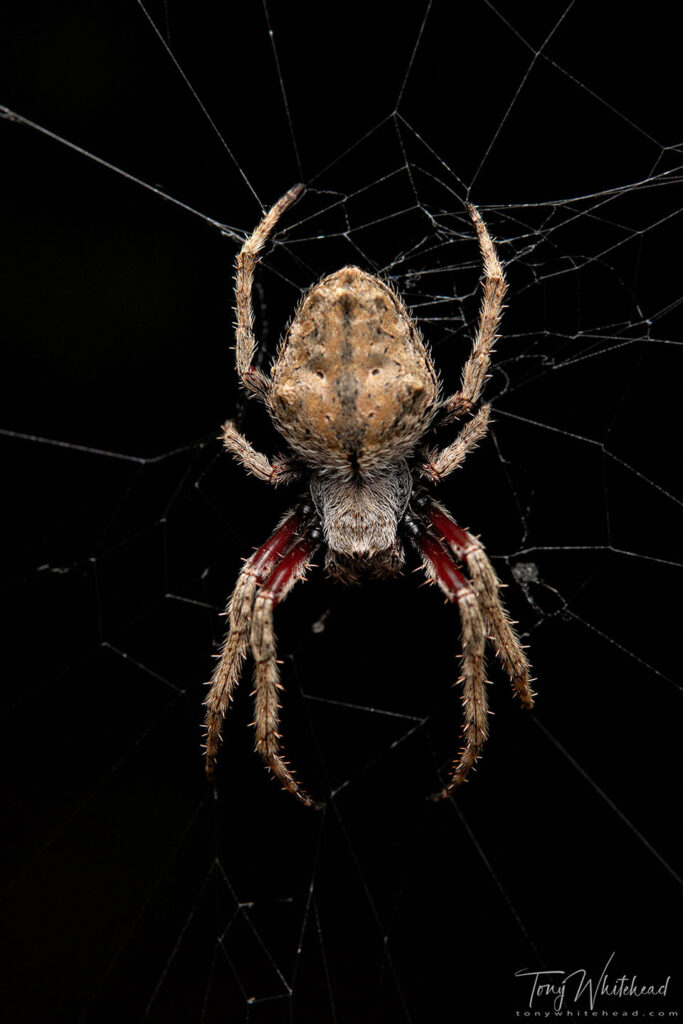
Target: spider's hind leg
[476,368]
[245,348]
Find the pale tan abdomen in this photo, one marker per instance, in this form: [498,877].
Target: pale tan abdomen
[353,385]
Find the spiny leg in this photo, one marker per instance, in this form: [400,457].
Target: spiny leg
[247,258]
[440,567]
[275,471]
[239,610]
[476,368]
[266,672]
[439,464]
[487,588]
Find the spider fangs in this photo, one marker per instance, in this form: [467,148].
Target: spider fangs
[353,392]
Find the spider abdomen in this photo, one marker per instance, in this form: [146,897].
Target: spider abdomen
[353,387]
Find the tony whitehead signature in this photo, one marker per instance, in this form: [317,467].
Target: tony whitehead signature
[563,988]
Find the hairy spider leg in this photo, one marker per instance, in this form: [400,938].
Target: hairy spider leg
[475,370]
[266,672]
[245,342]
[278,470]
[487,588]
[441,568]
[438,464]
[275,471]
[239,610]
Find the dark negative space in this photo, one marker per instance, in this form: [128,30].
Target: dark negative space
[131,889]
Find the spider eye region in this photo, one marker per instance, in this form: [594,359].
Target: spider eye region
[353,385]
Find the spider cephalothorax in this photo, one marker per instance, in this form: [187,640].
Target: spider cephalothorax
[353,391]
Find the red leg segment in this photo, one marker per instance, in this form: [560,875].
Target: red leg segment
[256,569]
[457,538]
[266,557]
[487,587]
[266,673]
[439,565]
[446,574]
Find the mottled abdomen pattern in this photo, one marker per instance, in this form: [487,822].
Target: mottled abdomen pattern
[353,388]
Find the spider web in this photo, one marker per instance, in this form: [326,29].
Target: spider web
[140,144]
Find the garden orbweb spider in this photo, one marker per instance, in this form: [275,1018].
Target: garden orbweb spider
[353,391]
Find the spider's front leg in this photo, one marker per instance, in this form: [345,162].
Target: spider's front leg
[440,567]
[239,611]
[266,672]
[487,588]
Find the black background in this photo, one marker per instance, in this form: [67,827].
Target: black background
[130,892]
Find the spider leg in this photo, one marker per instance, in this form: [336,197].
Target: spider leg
[239,612]
[251,378]
[266,672]
[277,471]
[476,368]
[440,567]
[438,464]
[487,586]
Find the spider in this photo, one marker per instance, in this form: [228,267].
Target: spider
[353,391]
